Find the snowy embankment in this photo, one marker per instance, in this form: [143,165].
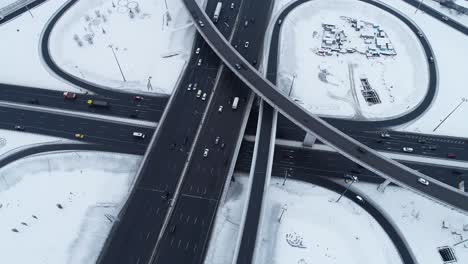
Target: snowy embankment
[19,49]
[451,65]
[313,228]
[422,222]
[59,208]
[330,85]
[150,41]
[11,141]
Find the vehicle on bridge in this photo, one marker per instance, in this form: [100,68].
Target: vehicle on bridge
[69,95]
[235,103]
[217,12]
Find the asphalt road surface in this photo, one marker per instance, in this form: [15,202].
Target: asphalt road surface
[328,134]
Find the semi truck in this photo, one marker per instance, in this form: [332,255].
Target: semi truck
[217,12]
[97,103]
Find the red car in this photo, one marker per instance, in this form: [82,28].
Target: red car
[137,98]
[69,95]
[451,156]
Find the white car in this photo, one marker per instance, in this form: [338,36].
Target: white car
[139,135]
[408,149]
[205,153]
[199,93]
[246,45]
[445,18]
[385,135]
[201,23]
[199,62]
[423,181]
[189,87]
[217,140]
[220,108]
[195,86]
[197,51]
[203,97]
[359,198]
[232,5]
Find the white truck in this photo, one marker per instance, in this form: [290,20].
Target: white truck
[217,12]
[235,103]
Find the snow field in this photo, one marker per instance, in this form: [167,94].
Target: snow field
[152,47]
[401,81]
[451,65]
[420,220]
[313,228]
[20,61]
[59,208]
[12,140]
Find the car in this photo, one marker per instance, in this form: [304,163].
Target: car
[420,34]
[137,98]
[199,93]
[254,62]
[238,66]
[199,62]
[232,5]
[197,51]
[431,59]
[433,147]
[423,181]
[222,145]
[69,95]
[203,97]
[79,136]
[408,149]
[280,21]
[445,18]
[195,86]
[451,156]
[220,108]
[362,150]
[360,199]
[33,101]
[379,140]
[201,23]
[189,87]
[205,153]
[19,128]
[217,140]
[246,45]
[139,135]
[422,141]
[385,135]
[349,178]
[456,172]
[246,23]
[135,114]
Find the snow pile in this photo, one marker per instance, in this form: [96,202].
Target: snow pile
[425,224]
[312,229]
[331,85]
[59,208]
[150,41]
[19,51]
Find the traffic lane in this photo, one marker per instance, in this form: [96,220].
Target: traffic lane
[145,109]
[146,209]
[20,11]
[252,218]
[187,233]
[94,131]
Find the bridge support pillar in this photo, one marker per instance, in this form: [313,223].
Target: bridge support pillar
[309,140]
[383,185]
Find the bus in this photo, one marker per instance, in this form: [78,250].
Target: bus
[217,12]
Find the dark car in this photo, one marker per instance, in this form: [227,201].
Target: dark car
[362,150]
[33,101]
[19,128]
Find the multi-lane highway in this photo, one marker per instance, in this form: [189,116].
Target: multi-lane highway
[136,236]
[347,146]
[13,11]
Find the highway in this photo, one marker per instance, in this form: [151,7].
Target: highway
[135,237]
[188,232]
[148,108]
[347,146]
[304,161]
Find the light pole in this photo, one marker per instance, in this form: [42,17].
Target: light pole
[417,8]
[118,64]
[292,84]
[27,8]
[353,180]
[283,209]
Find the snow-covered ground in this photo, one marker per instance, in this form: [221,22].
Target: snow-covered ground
[331,85]
[11,141]
[58,208]
[421,221]
[313,228]
[462,18]
[19,49]
[151,41]
[451,64]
